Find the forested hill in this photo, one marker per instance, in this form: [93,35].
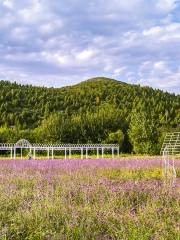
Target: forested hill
[96,110]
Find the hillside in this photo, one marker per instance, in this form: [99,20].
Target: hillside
[94,109]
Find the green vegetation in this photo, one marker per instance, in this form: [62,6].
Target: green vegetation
[95,111]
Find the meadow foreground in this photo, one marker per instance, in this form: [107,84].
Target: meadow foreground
[87,199]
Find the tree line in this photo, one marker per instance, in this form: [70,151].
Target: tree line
[95,111]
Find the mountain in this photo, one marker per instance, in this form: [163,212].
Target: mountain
[105,104]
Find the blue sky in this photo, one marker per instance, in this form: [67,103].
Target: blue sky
[62,42]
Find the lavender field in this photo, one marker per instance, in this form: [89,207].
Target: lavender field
[87,199]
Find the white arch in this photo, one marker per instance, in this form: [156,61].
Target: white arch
[23,143]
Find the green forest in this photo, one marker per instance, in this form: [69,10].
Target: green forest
[98,110]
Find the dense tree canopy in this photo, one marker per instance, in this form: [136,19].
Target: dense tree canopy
[143,132]
[96,110]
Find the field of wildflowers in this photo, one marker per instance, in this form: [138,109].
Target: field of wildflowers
[87,199]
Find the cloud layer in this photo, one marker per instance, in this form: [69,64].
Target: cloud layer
[57,43]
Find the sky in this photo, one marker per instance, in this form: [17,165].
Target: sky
[63,42]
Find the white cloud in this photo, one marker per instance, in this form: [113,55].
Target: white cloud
[57,58]
[119,71]
[51,27]
[32,12]
[85,54]
[154,31]
[8,3]
[166,5]
[161,65]
[19,33]
[134,41]
[165,32]
[160,75]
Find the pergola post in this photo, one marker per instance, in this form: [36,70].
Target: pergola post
[112,152]
[97,153]
[102,152]
[34,153]
[52,153]
[14,153]
[86,153]
[81,153]
[65,153]
[48,153]
[69,152]
[11,153]
[118,151]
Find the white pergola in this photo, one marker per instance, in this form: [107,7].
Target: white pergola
[170,150]
[67,148]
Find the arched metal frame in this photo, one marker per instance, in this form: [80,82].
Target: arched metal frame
[170,149]
[67,148]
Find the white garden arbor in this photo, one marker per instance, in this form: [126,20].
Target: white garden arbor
[170,151]
[66,148]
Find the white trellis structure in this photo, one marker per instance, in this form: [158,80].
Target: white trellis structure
[170,150]
[67,148]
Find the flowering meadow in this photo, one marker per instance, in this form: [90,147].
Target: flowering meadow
[87,199]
